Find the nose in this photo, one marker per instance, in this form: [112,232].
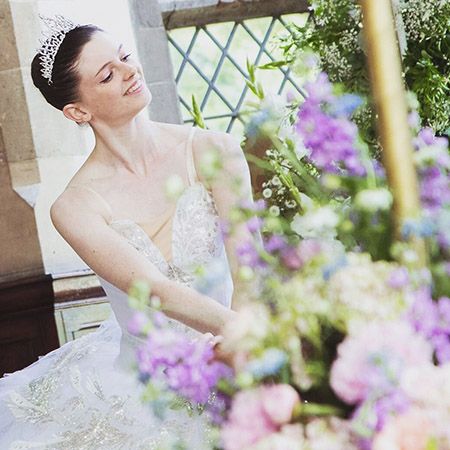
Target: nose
[130,70]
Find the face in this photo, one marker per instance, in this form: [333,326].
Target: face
[112,86]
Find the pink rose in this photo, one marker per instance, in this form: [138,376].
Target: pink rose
[410,431]
[279,401]
[257,413]
[247,422]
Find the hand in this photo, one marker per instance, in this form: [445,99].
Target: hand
[210,338]
[219,353]
[226,357]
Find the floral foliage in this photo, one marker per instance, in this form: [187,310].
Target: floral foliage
[346,345]
[334,33]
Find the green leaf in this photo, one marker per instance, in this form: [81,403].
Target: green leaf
[197,114]
[432,444]
[316,409]
[250,70]
[273,65]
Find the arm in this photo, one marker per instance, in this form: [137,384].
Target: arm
[230,186]
[111,256]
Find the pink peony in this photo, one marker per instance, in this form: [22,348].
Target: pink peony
[279,401]
[410,431]
[257,413]
[374,359]
[289,437]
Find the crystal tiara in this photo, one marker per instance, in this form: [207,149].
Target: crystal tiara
[57,27]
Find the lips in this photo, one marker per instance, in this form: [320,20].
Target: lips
[135,87]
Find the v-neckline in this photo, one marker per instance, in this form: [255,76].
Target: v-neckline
[168,263]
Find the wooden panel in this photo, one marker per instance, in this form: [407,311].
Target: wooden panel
[198,13]
[27,322]
[78,318]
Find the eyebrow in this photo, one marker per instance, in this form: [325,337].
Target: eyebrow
[109,62]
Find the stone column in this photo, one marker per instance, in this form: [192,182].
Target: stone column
[153,49]
[27,324]
[20,253]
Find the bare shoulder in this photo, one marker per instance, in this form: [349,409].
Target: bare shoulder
[207,140]
[222,152]
[77,199]
[73,208]
[76,205]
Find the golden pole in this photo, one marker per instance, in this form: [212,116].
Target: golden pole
[390,102]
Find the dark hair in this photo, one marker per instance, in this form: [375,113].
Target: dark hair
[65,78]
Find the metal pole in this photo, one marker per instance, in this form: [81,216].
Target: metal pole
[390,101]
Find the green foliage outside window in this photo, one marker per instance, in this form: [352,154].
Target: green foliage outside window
[334,33]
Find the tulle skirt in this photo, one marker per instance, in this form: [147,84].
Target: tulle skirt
[79,397]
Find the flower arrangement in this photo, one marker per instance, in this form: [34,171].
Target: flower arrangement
[348,344]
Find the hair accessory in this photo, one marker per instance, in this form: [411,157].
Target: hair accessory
[57,26]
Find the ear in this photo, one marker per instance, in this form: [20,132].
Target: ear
[75,112]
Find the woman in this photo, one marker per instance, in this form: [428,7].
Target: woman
[116,216]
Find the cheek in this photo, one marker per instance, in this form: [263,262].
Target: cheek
[104,99]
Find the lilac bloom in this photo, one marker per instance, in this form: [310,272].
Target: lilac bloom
[399,278]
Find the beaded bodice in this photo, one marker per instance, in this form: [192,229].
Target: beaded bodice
[196,244]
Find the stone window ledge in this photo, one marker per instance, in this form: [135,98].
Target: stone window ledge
[77,288]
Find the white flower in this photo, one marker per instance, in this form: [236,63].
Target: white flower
[267,193]
[372,200]
[274,210]
[320,222]
[275,104]
[287,132]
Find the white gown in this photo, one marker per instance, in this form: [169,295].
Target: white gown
[85,395]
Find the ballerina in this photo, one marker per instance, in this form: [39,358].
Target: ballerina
[115,214]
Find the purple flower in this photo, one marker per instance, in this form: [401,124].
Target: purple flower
[291,259]
[441,343]
[249,256]
[137,323]
[254,224]
[259,205]
[432,320]
[371,415]
[396,402]
[327,132]
[434,164]
[423,314]
[275,243]
[399,278]
[444,314]
[434,188]
[426,137]
[186,366]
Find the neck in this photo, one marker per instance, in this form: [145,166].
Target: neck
[128,147]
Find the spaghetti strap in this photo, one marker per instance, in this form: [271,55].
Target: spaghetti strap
[108,207]
[192,173]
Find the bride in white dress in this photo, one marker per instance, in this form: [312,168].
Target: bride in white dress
[116,216]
